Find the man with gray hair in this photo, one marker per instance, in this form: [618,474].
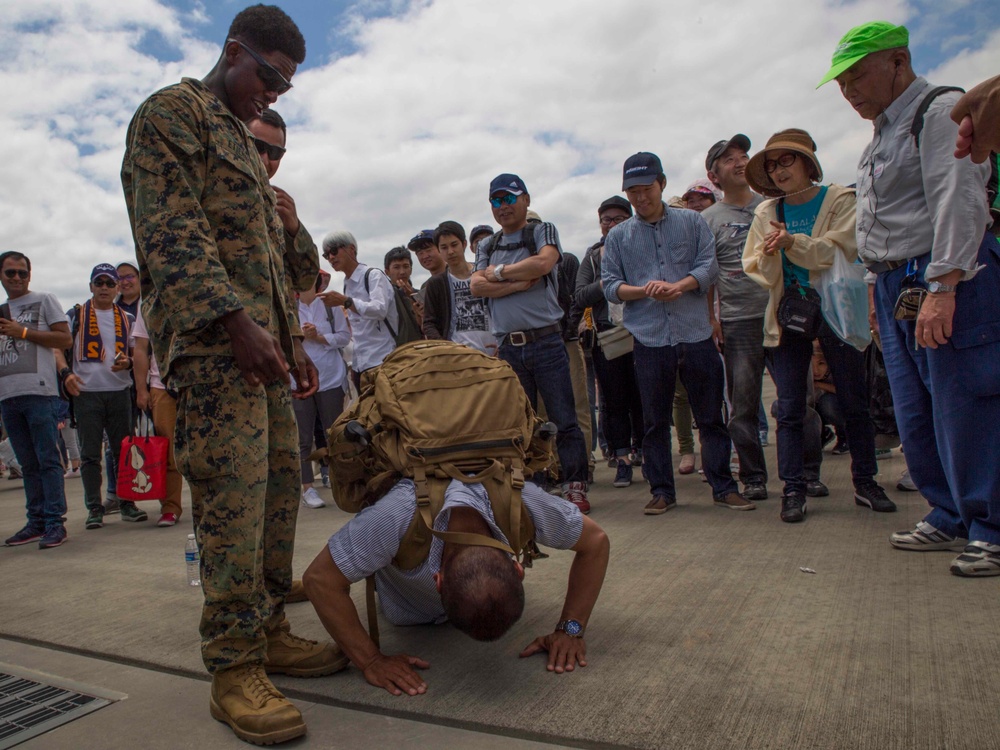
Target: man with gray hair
[923,229]
[368,301]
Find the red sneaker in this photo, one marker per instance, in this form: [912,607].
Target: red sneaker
[167,519]
[576,493]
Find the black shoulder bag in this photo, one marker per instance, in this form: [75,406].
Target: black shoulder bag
[800,312]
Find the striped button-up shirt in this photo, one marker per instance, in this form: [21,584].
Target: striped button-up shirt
[636,252]
[370,540]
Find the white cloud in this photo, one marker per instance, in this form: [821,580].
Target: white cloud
[439,98]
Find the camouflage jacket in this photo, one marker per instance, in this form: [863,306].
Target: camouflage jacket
[207,234]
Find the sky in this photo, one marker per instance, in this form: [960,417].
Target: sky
[404,110]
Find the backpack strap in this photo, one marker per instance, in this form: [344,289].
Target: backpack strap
[918,118]
[527,240]
[393,301]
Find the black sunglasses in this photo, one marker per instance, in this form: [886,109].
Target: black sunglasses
[20,273]
[109,283]
[269,75]
[332,252]
[274,153]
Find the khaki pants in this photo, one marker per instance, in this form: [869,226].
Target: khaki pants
[164,409]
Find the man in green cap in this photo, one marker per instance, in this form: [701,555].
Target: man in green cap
[922,229]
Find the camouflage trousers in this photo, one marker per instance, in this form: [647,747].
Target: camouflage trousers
[237,446]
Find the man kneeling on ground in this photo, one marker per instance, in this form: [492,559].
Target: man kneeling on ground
[478,589]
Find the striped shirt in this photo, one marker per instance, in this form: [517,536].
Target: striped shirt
[636,252]
[371,539]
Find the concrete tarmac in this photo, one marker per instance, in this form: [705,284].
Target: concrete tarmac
[708,634]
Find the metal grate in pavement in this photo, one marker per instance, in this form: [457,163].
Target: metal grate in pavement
[29,708]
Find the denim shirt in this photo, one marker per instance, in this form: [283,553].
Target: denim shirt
[636,252]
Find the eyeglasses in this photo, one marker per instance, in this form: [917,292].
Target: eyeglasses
[269,75]
[785,160]
[609,220]
[504,200]
[274,153]
[109,283]
[19,273]
[128,277]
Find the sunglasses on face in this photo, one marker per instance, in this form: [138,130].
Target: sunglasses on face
[785,160]
[274,153]
[109,283]
[269,75]
[332,252]
[19,273]
[503,200]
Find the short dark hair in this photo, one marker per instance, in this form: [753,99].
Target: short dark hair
[15,255]
[482,592]
[397,253]
[272,118]
[267,28]
[449,227]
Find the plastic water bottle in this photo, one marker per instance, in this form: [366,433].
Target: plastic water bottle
[192,559]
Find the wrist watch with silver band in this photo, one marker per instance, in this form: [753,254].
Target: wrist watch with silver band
[572,628]
[498,272]
[936,287]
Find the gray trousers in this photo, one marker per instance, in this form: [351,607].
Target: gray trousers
[326,405]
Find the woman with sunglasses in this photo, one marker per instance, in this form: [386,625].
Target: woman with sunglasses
[792,241]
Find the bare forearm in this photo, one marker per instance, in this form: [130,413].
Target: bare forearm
[627,292]
[480,286]
[527,269]
[48,339]
[586,577]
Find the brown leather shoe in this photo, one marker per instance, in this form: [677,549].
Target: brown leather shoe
[245,699]
[297,593]
[659,504]
[300,657]
[735,501]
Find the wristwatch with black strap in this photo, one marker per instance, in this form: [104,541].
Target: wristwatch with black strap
[572,628]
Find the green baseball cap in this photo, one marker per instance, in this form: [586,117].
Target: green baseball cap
[861,41]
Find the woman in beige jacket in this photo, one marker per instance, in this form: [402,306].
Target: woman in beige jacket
[786,258]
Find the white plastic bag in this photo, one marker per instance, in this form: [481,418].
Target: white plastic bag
[844,295]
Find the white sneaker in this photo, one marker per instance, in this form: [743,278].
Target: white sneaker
[311,499]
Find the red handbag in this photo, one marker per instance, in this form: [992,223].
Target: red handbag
[142,464]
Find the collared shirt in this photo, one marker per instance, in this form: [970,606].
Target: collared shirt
[912,201]
[368,314]
[368,543]
[636,252]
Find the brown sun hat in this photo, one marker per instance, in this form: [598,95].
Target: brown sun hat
[792,139]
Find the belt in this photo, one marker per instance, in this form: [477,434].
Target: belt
[888,265]
[520,338]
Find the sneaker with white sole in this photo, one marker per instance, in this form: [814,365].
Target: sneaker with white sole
[311,499]
[925,538]
[623,477]
[576,493]
[977,559]
[905,484]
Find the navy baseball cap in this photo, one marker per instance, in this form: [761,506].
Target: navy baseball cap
[104,269]
[508,183]
[615,201]
[739,140]
[641,169]
[425,235]
[481,229]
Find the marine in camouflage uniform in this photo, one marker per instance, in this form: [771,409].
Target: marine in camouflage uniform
[209,242]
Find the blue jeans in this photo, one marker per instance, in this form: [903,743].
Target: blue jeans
[947,401]
[791,360]
[700,369]
[744,353]
[31,425]
[542,366]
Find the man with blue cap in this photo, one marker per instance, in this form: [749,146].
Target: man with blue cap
[922,229]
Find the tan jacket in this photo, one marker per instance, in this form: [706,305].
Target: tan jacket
[834,231]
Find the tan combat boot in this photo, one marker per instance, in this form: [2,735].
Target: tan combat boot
[244,698]
[300,657]
[297,593]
